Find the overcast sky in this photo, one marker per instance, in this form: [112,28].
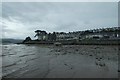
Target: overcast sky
[23,18]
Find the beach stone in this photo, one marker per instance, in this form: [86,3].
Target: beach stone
[6,47]
[96,63]
[77,50]
[65,64]
[118,70]
[102,64]
[64,53]
[58,50]
[100,58]
[69,52]
[96,58]
[90,55]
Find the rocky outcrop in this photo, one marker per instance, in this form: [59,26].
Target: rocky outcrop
[27,39]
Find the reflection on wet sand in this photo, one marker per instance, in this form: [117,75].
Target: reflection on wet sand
[67,61]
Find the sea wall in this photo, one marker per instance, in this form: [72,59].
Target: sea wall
[81,42]
[99,42]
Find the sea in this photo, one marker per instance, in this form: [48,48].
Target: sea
[18,60]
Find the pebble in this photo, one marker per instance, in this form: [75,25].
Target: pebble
[118,70]
[90,55]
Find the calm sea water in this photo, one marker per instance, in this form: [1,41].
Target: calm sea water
[22,59]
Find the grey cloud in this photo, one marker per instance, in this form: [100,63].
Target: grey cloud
[63,16]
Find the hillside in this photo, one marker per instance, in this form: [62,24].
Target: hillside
[9,40]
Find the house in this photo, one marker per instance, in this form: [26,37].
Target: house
[66,36]
[92,36]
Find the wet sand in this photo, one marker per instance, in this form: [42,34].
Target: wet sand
[67,61]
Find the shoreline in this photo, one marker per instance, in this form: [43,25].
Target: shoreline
[82,42]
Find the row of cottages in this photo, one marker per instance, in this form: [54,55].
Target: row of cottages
[107,33]
[66,36]
[80,36]
[104,35]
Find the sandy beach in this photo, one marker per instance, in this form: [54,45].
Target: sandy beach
[66,61]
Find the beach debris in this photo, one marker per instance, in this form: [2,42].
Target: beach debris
[3,55]
[57,44]
[96,47]
[69,66]
[100,63]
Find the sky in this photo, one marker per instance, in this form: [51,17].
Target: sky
[21,19]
